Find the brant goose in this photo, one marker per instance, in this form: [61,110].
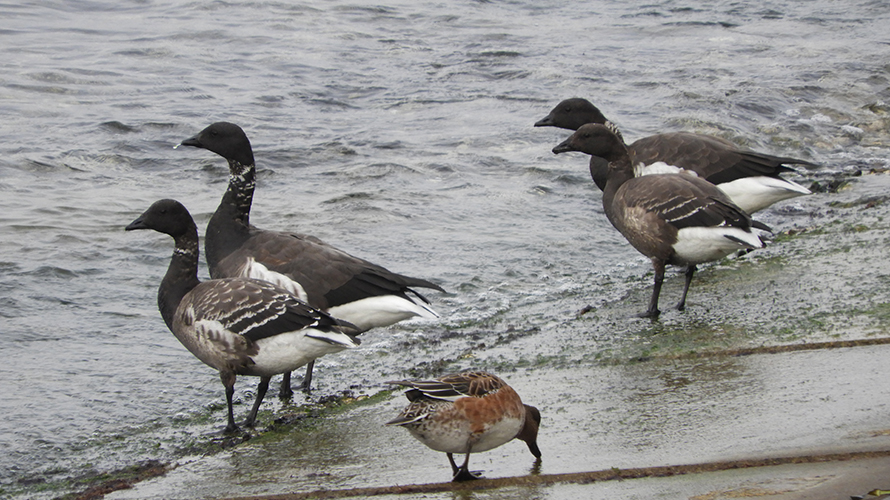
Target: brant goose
[750,179]
[347,287]
[671,218]
[467,413]
[240,326]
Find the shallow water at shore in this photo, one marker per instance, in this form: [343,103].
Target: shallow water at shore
[400,133]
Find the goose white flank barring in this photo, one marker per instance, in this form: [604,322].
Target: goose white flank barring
[347,287]
[240,326]
[673,219]
[751,180]
[467,413]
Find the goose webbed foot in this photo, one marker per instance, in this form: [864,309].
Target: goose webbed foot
[285,391]
[650,313]
[305,388]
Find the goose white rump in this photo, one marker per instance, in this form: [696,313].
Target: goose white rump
[697,245]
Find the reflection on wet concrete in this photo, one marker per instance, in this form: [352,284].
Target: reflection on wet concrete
[636,415]
[654,399]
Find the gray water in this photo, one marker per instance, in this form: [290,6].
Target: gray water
[400,132]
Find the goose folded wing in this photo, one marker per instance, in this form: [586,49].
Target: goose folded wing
[258,310]
[685,201]
[329,276]
[373,281]
[347,278]
[751,164]
[702,154]
[713,158]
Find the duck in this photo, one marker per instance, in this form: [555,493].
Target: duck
[467,413]
[673,219]
[363,294]
[239,326]
[752,180]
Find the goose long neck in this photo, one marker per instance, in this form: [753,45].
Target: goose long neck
[229,226]
[181,277]
[620,171]
[239,195]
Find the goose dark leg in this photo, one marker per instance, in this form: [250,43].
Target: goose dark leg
[260,394]
[285,391]
[653,311]
[463,473]
[689,272]
[306,386]
[228,380]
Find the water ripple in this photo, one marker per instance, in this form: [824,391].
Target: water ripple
[402,133]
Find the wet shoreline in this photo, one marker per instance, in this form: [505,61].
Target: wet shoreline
[404,134]
[519,482]
[666,342]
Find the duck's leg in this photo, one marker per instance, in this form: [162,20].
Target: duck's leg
[689,272]
[285,391]
[463,473]
[307,379]
[653,311]
[260,394]
[228,380]
[454,467]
